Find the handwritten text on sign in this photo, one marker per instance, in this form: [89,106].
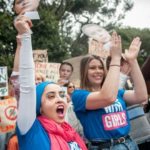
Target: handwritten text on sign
[3,81]
[40,56]
[51,70]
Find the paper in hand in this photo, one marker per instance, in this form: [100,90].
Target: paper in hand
[33,15]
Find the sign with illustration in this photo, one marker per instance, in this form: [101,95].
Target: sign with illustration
[8,114]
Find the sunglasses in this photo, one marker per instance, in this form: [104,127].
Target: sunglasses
[71,87]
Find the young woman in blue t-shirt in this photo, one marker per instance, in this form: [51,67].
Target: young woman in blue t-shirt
[100,105]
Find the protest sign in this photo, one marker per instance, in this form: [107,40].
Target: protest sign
[51,70]
[97,48]
[3,82]
[30,8]
[40,56]
[8,114]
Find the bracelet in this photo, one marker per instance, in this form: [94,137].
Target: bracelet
[114,65]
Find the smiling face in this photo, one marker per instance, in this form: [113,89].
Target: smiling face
[54,103]
[70,88]
[92,72]
[95,72]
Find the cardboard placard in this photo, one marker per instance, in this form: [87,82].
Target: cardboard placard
[8,114]
[51,70]
[96,48]
[40,56]
[3,82]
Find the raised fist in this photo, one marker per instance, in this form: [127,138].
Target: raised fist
[22,24]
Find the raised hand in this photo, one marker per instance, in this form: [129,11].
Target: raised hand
[116,46]
[134,49]
[22,24]
[62,82]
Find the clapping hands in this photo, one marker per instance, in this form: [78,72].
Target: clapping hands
[116,46]
[134,49]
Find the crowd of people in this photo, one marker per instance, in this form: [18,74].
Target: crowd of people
[62,116]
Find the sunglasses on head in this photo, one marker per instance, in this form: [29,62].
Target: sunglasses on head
[71,86]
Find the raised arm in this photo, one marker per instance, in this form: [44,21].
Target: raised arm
[139,94]
[15,74]
[27,102]
[16,59]
[108,92]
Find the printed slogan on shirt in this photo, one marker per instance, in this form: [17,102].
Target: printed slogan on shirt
[114,120]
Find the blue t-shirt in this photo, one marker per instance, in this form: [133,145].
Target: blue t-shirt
[104,123]
[35,139]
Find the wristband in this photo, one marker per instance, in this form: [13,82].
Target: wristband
[114,65]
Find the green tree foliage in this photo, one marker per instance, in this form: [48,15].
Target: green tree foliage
[59,29]
[106,13]
[70,15]
[7,35]
[129,33]
[48,36]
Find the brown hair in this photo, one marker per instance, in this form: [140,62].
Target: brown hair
[13,3]
[84,64]
[66,63]
[108,60]
[69,84]
[13,7]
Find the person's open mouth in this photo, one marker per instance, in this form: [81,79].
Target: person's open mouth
[60,111]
